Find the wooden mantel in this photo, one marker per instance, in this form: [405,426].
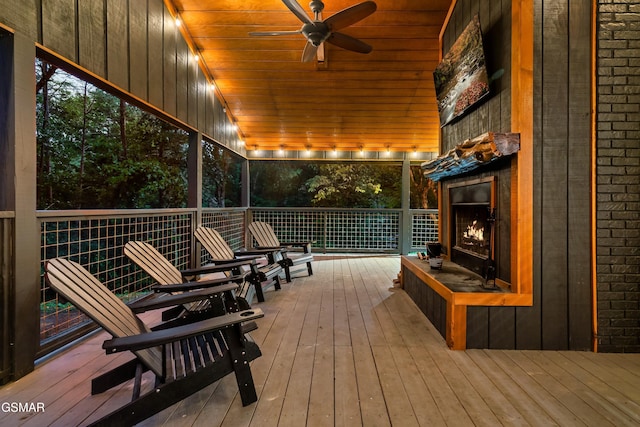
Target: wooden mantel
[471,154]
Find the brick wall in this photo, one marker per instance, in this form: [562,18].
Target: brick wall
[618,176]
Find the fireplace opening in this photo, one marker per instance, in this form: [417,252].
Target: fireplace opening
[472,214]
[472,229]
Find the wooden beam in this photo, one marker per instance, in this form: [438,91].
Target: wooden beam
[522,122]
[472,154]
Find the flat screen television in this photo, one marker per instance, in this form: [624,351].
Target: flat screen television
[461,79]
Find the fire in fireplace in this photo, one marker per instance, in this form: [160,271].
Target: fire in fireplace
[471,206]
[470,225]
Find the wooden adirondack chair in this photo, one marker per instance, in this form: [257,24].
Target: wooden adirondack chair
[184,359]
[221,254]
[266,238]
[172,280]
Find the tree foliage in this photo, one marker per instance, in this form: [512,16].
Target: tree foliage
[279,183]
[221,177]
[424,192]
[344,185]
[352,185]
[96,151]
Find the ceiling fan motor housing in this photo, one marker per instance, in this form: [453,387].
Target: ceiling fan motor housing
[316,32]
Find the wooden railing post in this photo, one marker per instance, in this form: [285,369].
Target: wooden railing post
[18,146]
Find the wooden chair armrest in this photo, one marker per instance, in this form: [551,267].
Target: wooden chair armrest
[218,265]
[258,252]
[146,304]
[167,336]
[305,245]
[272,248]
[201,284]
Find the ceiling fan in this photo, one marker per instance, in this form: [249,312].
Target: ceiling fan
[317,31]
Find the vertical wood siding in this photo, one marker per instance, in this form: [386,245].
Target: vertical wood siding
[561,316]
[134,45]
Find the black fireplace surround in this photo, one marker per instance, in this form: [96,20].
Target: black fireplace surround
[470,227]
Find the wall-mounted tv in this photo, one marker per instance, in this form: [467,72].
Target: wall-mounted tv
[461,78]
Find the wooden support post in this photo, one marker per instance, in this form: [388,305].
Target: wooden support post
[405,229]
[194,174]
[456,326]
[21,193]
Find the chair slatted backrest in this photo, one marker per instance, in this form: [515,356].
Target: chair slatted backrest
[153,262]
[214,243]
[264,234]
[83,290]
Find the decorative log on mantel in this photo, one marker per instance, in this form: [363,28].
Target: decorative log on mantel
[472,154]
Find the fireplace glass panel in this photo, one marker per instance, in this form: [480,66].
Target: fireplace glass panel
[472,229]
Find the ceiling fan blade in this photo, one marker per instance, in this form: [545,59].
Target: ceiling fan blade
[350,43]
[274,33]
[350,15]
[309,52]
[297,10]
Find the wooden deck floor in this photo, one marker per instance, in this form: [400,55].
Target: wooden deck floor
[342,348]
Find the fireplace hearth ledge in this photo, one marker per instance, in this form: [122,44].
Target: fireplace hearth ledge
[456,301]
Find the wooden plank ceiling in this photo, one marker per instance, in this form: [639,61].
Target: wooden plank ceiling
[381,101]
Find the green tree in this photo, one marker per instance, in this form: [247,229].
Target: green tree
[280,183]
[355,185]
[221,177]
[96,151]
[424,192]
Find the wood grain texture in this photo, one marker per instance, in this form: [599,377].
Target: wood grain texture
[407,378]
[138,49]
[58,30]
[277,100]
[91,40]
[118,43]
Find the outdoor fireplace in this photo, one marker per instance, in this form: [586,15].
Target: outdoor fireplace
[472,217]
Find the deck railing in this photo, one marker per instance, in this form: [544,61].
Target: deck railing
[96,239]
[351,230]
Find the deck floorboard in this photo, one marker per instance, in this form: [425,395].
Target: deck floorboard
[345,348]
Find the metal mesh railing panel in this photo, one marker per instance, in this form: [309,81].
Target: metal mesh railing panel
[231,225]
[295,225]
[336,230]
[371,231]
[424,228]
[97,243]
